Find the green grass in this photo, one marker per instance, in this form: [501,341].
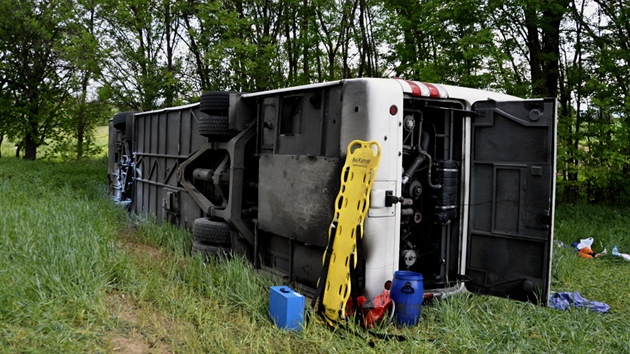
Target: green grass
[101,139]
[55,251]
[79,275]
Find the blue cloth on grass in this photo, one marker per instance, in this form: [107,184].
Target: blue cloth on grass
[563,300]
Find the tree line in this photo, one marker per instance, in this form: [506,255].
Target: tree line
[67,65]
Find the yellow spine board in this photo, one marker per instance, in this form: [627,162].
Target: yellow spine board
[351,207]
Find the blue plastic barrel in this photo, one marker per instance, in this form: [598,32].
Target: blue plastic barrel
[407,292]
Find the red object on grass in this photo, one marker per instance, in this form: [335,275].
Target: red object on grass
[375,309]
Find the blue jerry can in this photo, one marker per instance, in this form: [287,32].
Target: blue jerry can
[286,308]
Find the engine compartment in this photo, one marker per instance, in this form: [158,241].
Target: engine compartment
[431,186]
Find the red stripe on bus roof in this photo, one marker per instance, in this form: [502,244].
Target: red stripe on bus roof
[415,89]
[433,90]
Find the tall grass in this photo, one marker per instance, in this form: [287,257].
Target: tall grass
[78,274]
[56,225]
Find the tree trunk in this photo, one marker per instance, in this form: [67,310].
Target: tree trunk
[30,148]
[200,66]
[31,139]
[552,16]
[544,53]
[535,49]
[80,135]
[304,33]
[82,119]
[169,93]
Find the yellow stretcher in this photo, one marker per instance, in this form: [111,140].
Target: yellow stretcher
[351,207]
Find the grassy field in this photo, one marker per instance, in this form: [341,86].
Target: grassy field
[7,149]
[79,275]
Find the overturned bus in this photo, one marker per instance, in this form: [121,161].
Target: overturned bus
[463,194]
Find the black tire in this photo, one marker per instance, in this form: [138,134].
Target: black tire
[120,121]
[210,126]
[215,103]
[129,126]
[209,251]
[213,232]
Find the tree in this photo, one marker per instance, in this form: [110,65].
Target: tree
[33,70]
[600,144]
[133,46]
[447,42]
[198,36]
[301,43]
[84,53]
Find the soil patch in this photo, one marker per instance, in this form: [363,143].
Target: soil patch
[137,329]
[136,332]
